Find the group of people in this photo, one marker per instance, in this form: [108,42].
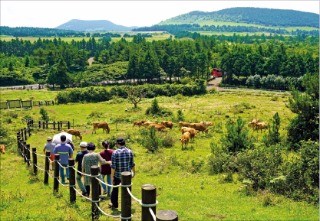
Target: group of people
[112,163]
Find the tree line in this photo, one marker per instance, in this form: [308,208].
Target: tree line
[64,63]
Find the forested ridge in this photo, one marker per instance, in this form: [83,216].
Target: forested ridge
[57,62]
[260,16]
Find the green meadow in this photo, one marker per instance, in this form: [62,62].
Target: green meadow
[181,177]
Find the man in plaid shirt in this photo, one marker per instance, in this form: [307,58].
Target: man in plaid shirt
[122,160]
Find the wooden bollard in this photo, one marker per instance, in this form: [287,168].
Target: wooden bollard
[148,197]
[46,168]
[95,192]
[167,215]
[56,173]
[125,196]
[28,154]
[34,160]
[72,181]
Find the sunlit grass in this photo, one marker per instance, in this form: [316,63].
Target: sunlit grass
[194,194]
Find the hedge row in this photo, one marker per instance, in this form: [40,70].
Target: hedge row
[98,94]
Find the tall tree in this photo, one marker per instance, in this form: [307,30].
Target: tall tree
[58,74]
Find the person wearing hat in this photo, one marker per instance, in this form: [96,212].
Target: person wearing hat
[89,160]
[121,161]
[65,151]
[106,169]
[48,147]
[83,151]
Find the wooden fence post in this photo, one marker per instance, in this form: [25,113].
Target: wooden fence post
[34,160]
[68,124]
[46,168]
[59,128]
[22,135]
[56,173]
[18,142]
[72,181]
[148,197]
[54,125]
[25,133]
[28,154]
[24,151]
[46,124]
[43,124]
[29,131]
[95,189]
[125,196]
[167,215]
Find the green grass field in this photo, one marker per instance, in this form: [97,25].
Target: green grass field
[192,192]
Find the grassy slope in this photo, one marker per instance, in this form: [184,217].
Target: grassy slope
[195,196]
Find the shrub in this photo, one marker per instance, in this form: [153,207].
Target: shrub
[219,159]
[180,116]
[150,140]
[237,137]
[167,140]
[44,114]
[273,136]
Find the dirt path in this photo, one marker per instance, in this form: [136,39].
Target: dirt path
[214,83]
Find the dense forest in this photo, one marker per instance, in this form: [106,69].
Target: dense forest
[259,16]
[275,62]
[176,28]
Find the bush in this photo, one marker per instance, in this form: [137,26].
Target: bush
[219,159]
[150,140]
[44,114]
[180,116]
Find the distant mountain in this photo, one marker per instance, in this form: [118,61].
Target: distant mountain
[92,25]
[257,16]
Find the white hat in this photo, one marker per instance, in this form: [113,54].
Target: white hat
[83,144]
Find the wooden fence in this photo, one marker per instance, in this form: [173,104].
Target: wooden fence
[59,125]
[148,202]
[9,104]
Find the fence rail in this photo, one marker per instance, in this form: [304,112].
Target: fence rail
[148,202]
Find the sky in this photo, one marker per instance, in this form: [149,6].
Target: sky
[50,14]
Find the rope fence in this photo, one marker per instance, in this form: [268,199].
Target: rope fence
[148,202]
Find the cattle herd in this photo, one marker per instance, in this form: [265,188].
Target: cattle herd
[188,130]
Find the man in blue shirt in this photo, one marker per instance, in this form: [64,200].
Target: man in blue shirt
[65,151]
[122,160]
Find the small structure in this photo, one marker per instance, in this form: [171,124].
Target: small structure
[216,72]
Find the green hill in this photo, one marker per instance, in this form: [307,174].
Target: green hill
[253,16]
[93,25]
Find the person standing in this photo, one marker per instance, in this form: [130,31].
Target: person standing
[89,160]
[49,148]
[79,157]
[65,151]
[121,161]
[106,169]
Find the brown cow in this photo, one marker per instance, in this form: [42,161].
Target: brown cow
[261,126]
[103,125]
[253,123]
[192,131]
[158,127]
[167,124]
[199,126]
[138,123]
[184,124]
[74,132]
[185,138]
[2,148]
[207,123]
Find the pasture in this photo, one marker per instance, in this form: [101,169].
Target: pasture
[181,176]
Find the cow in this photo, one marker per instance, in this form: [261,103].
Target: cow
[167,124]
[261,126]
[207,123]
[192,131]
[185,138]
[103,125]
[253,123]
[2,148]
[148,123]
[74,132]
[158,127]
[184,124]
[199,126]
[138,123]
